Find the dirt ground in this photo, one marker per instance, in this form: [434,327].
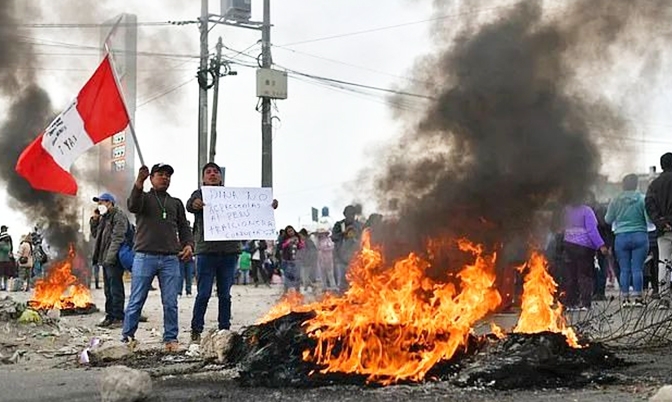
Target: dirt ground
[47,365]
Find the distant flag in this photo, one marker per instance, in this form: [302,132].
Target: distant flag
[97,113]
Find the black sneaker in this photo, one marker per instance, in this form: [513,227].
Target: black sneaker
[116,324]
[195,337]
[106,323]
[638,303]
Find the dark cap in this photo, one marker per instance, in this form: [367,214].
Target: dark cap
[105,197]
[4,228]
[210,165]
[162,167]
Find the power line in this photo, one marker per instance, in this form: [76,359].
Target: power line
[46,42]
[164,93]
[350,65]
[98,25]
[354,84]
[403,24]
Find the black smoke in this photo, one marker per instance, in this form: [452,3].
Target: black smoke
[513,124]
[29,111]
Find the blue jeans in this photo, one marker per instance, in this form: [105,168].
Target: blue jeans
[211,268]
[145,268]
[187,272]
[291,273]
[631,250]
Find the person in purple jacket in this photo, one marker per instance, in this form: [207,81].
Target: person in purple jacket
[581,239]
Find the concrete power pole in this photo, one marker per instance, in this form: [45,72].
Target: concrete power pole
[215,99]
[266,118]
[203,93]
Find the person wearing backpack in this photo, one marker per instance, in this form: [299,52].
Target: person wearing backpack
[25,261]
[110,232]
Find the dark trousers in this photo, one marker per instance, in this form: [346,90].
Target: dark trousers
[651,269]
[211,268]
[579,266]
[187,272]
[259,273]
[600,283]
[114,292]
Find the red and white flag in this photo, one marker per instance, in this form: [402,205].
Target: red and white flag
[97,113]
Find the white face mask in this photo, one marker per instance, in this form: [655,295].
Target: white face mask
[102,209]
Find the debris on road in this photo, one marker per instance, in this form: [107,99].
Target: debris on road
[216,345]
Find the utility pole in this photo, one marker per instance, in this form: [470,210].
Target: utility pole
[215,98]
[203,92]
[266,118]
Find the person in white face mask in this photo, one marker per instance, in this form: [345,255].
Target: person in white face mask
[109,232]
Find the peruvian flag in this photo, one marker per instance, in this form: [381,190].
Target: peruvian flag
[97,113]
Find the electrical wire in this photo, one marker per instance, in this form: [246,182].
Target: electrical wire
[403,24]
[100,25]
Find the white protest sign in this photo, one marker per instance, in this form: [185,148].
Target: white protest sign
[235,213]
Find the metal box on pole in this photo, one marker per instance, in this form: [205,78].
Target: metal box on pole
[271,83]
[237,10]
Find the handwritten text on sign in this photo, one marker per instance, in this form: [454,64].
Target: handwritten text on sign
[238,213]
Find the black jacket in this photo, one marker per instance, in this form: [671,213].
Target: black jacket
[209,247]
[154,232]
[659,201]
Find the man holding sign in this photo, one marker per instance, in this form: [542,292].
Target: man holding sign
[217,246]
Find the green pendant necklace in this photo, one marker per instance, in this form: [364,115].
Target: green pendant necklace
[161,204]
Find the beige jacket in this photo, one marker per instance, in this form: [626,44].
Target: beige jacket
[26,250]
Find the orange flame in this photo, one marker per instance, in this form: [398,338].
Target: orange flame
[291,301]
[61,289]
[497,331]
[396,323]
[538,311]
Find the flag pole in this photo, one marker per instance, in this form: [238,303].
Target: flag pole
[131,126]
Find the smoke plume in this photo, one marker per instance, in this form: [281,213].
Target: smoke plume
[513,123]
[28,113]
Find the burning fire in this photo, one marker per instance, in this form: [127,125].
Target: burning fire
[292,301]
[61,289]
[538,313]
[395,323]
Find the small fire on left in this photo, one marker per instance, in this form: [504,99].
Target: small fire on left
[61,289]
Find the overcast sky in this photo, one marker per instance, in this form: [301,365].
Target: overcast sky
[324,138]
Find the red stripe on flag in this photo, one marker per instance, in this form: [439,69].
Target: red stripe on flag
[40,170]
[100,104]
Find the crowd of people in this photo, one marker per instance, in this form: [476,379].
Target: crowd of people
[630,239]
[21,267]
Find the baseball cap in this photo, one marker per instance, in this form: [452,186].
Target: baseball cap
[105,197]
[212,165]
[162,167]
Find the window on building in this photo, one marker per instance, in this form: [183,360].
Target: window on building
[119,138]
[118,166]
[118,152]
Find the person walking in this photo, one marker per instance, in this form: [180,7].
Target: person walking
[627,214]
[162,239]
[581,239]
[109,232]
